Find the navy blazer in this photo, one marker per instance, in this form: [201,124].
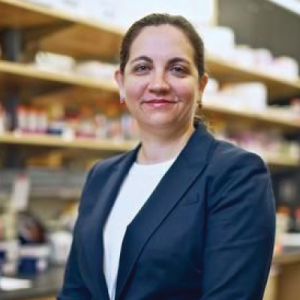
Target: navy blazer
[205,233]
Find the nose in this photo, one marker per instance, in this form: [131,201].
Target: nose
[158,83]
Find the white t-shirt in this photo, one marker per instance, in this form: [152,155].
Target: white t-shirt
[134,192]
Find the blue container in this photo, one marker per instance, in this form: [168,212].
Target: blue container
[2,259]
[28,265]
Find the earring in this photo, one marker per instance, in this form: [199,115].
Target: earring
[199,105]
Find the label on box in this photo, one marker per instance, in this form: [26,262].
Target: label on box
[20,192]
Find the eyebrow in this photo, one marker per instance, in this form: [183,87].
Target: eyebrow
[146,58]
[171,61]
[179,59]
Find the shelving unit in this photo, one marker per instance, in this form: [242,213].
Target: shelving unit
[103,146]
[266,119]
[60,142]
[279,163]
[44,28]
[26,76]
[34,81]
[77,37]
[39,140]
[226,71]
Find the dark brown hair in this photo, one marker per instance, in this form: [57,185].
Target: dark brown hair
[164,19]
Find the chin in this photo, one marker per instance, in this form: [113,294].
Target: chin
[161,124]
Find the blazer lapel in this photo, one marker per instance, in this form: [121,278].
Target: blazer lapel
[185,170]
[93,231]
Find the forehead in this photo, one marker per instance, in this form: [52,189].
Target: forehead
[163,41]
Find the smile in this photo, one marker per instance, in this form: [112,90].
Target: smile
[158,101]
[159,104]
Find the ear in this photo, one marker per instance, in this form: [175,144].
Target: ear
[203,82]
[120,81]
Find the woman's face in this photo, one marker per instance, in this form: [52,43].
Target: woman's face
[160,83]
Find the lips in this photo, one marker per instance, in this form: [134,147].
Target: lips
[158,101]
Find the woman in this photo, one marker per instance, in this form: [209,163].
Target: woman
[183,216]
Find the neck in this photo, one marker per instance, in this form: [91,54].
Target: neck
[159,148]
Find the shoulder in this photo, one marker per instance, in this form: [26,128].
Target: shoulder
[227,157]
[96,179]
[102,168]
[235,170]
[105,166]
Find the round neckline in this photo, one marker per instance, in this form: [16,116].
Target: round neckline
[151,169]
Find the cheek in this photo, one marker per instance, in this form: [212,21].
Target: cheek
[134,89]
[187,91]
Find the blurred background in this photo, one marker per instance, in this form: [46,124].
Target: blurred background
[60,112]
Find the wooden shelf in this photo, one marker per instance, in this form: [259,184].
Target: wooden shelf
[82,41]
[287,257]
[67,34]
[31,80]
[265,119]
[21,75]
[25,14]
[100,145]
[22,15]
[279,163]
[227,71]
[59,142]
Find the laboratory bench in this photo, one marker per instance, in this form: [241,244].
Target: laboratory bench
[285,282]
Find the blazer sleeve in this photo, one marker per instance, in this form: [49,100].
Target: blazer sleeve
[240,229]
[73,287]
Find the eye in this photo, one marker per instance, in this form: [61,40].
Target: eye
[141,68]
[179,70]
